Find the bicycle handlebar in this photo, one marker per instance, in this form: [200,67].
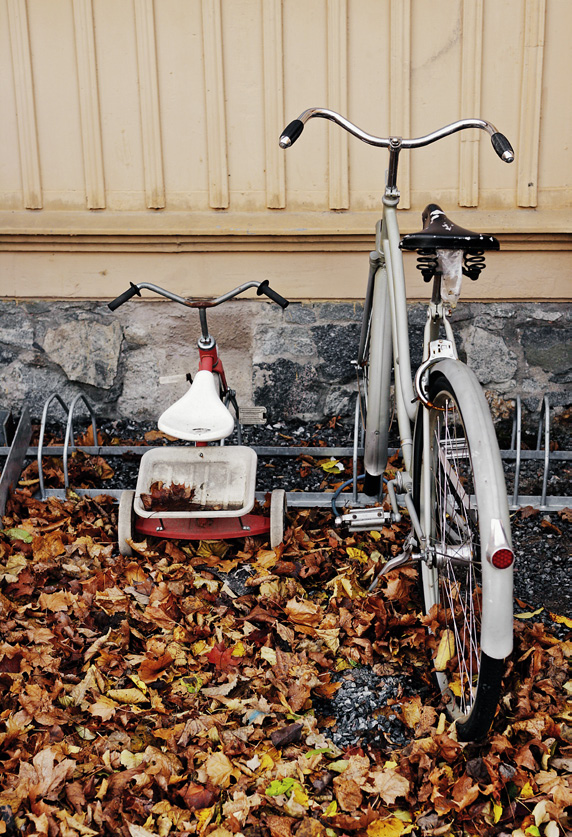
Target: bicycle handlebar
[499,142]
[262,288]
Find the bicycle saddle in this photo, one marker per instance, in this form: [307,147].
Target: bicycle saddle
[440,233]
[200,415]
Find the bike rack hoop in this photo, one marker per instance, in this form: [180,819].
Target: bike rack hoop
[69,441]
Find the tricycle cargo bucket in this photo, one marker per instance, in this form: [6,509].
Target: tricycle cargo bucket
[223,479]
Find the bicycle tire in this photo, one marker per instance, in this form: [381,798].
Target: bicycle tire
[125,525]
[376,364]
[467,493]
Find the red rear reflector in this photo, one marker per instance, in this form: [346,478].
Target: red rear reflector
[502,558]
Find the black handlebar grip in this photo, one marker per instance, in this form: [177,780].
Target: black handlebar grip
[502,147]
[291,133]
[131,291]
[264,288]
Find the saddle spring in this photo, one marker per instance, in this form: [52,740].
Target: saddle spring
[427,263]
[473,264]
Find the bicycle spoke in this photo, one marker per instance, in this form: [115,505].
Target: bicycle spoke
[456,550]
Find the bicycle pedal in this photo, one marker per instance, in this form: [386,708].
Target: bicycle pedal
[365,519]
[252,415]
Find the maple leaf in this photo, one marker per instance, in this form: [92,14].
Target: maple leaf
[388,784]
[220,769]
[303,612]
[221,657]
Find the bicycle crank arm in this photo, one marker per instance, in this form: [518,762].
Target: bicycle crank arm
[408,556]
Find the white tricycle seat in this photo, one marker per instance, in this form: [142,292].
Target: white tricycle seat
[200,415]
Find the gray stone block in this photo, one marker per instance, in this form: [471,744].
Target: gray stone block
[489,357]
[87,351]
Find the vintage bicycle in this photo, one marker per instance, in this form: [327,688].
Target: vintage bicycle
[210,488]
[452,482]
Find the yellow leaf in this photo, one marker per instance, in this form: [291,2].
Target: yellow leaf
[357,554]
[386,828]
[529,614]
[375,535]
[266,762]
[299,795]
[526,791]
[497,812]
[441,724]
[266,558]
[331,466]
[207,548]
[332,809]
[239,650]
[456,688]
[138,682]
[445,651]
[204,816]
[562,620]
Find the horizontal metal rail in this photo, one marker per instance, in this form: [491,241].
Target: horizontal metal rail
[265,450]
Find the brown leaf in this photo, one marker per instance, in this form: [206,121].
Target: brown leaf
[348,793]
[279,826]
[197,796]
[465,792]
[48,546]
[388,783]
[153,669]
[303,612]
[286,735]
[174,497]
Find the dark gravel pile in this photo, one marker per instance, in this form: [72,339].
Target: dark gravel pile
[364,708]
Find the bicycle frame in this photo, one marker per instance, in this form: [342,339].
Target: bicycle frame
[387,296]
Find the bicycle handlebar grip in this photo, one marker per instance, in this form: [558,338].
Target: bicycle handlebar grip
[264,288]
[502,147]
[291,133]
[133,290]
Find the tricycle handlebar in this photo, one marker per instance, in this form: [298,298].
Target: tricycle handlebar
[262,288]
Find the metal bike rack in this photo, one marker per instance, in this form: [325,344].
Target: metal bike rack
[69,441]
[18,449]
[542,452]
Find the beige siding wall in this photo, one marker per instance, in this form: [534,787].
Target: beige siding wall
[139,140]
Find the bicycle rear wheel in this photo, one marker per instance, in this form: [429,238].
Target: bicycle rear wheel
[460,496]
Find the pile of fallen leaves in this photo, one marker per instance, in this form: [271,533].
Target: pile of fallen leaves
[152,696]
[173,497]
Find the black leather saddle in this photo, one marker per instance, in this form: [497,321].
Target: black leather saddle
[440,233]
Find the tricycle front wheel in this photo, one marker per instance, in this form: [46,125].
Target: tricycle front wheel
[125,522]
[277,515]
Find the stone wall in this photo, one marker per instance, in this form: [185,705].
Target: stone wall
[296,362]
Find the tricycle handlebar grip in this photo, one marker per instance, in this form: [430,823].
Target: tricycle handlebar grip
[131,291]
[291,133]
[264,288]
[502,147]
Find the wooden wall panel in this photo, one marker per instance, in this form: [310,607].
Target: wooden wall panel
[25,107]
[111,110]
